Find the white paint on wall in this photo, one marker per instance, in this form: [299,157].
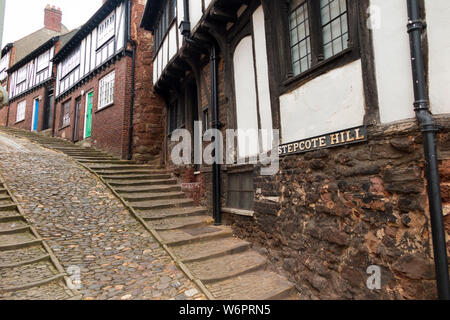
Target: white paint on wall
[172,41]
[245,88]
[180,18]
[438,29]
[155,70]
[328,103]
[195,12]
[262,78]
[207,3]
[393,62]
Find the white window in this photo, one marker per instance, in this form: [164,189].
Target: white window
[105,30]
[71,62]
[106,90]
[21,106]
[4,64]
[43,61]
[21,75]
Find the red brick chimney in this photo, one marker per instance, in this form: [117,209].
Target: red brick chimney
[53,18]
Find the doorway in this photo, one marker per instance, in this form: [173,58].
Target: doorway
[76,127]
[88,115]
[48,110]
[35,118]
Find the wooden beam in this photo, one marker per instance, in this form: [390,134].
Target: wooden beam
[223,15]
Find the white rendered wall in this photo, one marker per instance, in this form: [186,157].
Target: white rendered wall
[393,62]
[195,12]
[331,102]
[245,88]
[262,78]
[438,28]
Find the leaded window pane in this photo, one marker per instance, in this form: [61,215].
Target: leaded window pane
[334,26]
[300,38]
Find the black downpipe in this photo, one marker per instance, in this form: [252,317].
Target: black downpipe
[133,83]
[216,125]
[429,129]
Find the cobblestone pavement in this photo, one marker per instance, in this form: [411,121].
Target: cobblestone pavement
[88,228]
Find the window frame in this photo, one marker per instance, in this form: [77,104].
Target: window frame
[164,23]
[319,64]
[174,119]
[110,102]
[63,123]
[20,104]
[241,174]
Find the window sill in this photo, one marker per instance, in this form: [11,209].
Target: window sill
[63,127]
[20,121]
[104,108]
[321,67]
[239,212]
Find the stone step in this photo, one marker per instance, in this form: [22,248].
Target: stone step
[10,239]
[108,161]
[56,289]
[14,230]
[83,158]
[9,257]
[210,249]
[8,207]
[117,167]
[5,202]
[145,189]
[180,222]
[190,235]
[8,216]
[171,213]
[124,183]
[4,197]
[130,172]
[3,191]
[162,204]
[23,262]
[258,285]
[138,177]
[146,196]
[227,266]
[12,225]
[27,276]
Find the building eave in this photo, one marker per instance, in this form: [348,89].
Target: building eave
[35,53]
[87,28]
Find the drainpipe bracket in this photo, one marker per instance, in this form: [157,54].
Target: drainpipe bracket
[416,25]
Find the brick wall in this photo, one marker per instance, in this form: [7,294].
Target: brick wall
[26,124]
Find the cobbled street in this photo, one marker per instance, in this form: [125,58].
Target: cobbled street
[88,228]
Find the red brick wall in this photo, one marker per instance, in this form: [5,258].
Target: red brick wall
[26,124]
[109,125]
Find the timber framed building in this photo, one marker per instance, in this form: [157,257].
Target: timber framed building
[334,77]
[101,96]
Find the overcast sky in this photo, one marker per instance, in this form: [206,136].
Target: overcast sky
[23,17]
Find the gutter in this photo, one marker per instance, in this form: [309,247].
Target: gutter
[217,211]
[133,82]
[429,129]
[185,28]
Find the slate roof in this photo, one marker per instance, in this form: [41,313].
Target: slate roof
[29,43]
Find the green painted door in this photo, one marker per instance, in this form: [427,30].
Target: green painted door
[90,100]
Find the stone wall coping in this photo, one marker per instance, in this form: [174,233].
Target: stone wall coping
[239,212]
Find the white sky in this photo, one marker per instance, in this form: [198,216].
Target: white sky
[23,17]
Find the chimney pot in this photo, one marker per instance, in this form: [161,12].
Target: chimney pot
[53,18]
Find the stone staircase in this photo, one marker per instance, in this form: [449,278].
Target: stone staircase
[28,268]
[226,266]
